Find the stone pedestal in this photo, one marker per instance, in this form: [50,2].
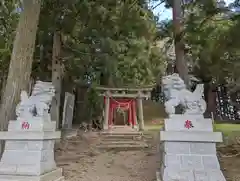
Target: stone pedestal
[29,151]
[188,150]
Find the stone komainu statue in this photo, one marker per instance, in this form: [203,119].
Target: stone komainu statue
[38,104]
[176,93]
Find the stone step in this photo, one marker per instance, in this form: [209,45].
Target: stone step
[121,133]
[55,175]
[122,137]
[120,142]
[122,146]
[120,128]
[112,137]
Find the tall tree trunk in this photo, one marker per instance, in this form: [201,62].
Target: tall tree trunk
[21,60]
[181,64]
[210,98]
[105,79]
[56,77]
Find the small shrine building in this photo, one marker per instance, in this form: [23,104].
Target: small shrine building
[129,100]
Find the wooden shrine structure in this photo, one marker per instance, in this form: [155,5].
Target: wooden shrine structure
[130,99]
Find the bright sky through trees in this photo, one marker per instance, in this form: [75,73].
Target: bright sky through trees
[164,13]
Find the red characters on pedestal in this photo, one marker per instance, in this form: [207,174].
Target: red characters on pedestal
[25,125]
[188,124]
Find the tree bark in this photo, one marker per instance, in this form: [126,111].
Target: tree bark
[21,60]
[181,64]
[56,77]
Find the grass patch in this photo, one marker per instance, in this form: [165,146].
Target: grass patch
[227,129]
[153,127]
[231,132]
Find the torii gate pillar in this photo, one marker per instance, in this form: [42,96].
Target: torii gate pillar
[140,113]
[106,112]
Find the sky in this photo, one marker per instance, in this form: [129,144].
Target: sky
[164,13]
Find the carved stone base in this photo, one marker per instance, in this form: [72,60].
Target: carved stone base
[55,175]
[29,151]
[28,157]
[188,150]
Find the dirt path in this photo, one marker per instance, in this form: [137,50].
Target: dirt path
[229,157]
[81,162]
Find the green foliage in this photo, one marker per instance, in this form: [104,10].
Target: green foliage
[211,44]
[112,43]
[115,40]
[118,39]
[8,22]
[214,48]
[111,38]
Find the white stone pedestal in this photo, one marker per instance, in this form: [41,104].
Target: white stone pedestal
[188,150]
[29,151]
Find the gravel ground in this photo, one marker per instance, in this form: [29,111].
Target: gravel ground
[82,162]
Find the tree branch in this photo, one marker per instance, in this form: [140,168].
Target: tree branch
[162,1]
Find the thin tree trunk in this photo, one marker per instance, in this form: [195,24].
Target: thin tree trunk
[21,60]
[56,77]
[181,64]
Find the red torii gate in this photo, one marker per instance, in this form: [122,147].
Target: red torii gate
[126,104]
[129,99]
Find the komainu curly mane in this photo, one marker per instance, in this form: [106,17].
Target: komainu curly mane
[176,93]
